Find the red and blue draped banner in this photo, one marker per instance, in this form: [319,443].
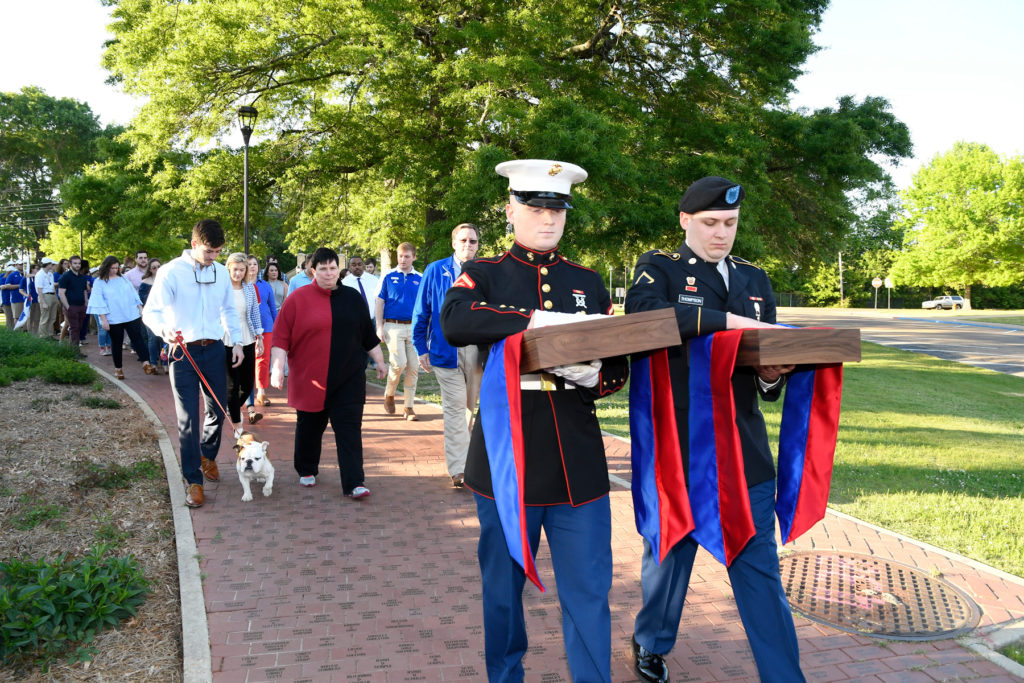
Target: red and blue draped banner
[502,422]
[660,501]
[807,446]
[718,499]
[718,486]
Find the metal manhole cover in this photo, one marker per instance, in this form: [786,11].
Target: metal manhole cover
[868,595]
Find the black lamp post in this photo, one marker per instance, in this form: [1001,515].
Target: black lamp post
[247,119]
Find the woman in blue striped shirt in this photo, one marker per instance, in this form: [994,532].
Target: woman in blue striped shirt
[242,378]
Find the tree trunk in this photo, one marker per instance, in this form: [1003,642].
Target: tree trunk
[967,298]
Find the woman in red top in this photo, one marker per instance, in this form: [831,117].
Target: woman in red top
[325,332]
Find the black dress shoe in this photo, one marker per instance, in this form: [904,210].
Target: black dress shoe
[647,665]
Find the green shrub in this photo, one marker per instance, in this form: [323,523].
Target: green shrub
[19,345]
[23,356]
[64,371]
[110,477]
[53,609]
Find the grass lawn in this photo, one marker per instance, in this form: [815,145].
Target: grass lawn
[1014,652]
[928,448]
[1001,319]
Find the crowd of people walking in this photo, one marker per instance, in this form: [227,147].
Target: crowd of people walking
[532,455]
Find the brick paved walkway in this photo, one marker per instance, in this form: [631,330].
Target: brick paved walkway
[308,585]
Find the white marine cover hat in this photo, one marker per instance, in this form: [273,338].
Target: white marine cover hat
[541,182]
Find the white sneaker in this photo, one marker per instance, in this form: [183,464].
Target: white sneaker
[307,481]
[359,492]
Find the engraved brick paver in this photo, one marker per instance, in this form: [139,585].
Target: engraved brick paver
[309,585]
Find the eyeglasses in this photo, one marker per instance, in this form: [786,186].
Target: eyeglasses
[203,279]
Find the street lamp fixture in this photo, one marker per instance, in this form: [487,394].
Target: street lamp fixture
[246,119]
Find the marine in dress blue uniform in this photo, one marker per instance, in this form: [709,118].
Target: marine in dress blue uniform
[566,473]
[712,290]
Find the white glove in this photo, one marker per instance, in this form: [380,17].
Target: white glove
[580,374]
[547,318]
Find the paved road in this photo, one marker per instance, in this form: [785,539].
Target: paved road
[944,335]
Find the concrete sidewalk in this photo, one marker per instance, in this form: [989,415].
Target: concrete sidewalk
[307,585]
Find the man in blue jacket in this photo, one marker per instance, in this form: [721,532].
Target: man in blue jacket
[457,369]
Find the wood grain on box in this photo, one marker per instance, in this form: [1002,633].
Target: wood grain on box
[798,346]
[586,340]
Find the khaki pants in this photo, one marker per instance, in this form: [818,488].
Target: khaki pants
[33,319]
[16,309]
[460,389]
[48,307]
[398,338]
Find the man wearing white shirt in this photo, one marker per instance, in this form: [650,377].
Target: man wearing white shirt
[46,290]
[364,283]
[192,295]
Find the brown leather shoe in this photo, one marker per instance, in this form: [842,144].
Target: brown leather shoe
[194,496]
[254,417]
[118,373]
[209,468]
[389,405]
[410,415]
[148,368]
[459,480]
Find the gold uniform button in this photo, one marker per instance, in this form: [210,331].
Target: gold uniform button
[548,305]
[543,270]
[545,287]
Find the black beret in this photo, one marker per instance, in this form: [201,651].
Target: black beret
[712,193]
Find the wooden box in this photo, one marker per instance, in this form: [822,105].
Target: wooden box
[546,347]
[796,346]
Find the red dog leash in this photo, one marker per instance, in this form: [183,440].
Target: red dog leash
[179,343]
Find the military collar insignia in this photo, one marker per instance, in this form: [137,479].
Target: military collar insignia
[674,255]
[533,257]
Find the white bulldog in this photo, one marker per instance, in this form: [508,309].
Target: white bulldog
[253,465]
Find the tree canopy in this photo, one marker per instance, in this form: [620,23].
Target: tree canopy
[964,221]
[44,141]
[382,122]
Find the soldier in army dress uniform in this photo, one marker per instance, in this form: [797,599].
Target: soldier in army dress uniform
[712,290]
[566,474]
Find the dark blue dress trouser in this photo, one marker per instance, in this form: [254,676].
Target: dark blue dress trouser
[579,539]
